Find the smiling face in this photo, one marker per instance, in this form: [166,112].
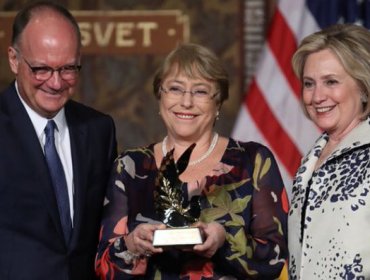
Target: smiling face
[47,40]
[331,96]
[186,118]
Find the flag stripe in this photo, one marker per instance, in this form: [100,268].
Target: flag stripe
[272,110]
[283,52]
[271,113]
[283,102]
[272,130]
[298,18]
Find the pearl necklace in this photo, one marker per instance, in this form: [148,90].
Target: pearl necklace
[203,157]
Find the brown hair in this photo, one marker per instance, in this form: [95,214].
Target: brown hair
[194,60]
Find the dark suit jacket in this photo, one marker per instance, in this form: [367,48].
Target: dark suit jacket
[31,238]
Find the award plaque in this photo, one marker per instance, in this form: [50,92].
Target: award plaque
[178,213]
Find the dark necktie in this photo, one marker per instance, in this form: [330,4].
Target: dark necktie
[59,180]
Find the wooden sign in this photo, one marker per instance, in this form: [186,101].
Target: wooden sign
[120,32]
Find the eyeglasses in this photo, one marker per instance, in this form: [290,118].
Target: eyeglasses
[199,95]
[44,73]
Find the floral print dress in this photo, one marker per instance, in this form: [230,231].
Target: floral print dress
[329,219]
[244,193]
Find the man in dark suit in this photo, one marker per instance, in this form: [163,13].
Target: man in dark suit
[49,220]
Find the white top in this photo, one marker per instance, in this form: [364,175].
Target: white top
[332,242]
[62,142]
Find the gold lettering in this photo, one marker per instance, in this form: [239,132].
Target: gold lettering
[85,28]
[147,27]
[103,36]
[123,32]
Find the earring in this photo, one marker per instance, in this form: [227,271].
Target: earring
[217,115]
[363,97]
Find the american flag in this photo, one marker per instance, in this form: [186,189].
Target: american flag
[271,112]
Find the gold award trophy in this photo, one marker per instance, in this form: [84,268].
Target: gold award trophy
[171,206]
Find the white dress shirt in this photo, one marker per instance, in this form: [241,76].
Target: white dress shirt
[62,142]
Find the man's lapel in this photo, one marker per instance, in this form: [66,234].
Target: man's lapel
[80,152]
[31,153]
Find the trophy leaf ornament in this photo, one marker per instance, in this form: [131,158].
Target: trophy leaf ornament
[170,204]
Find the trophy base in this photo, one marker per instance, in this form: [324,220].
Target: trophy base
[188,236]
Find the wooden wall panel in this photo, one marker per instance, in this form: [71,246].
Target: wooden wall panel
[120,85]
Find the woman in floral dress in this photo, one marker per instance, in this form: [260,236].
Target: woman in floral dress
[243,203]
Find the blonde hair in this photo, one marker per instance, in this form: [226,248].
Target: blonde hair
[351,44]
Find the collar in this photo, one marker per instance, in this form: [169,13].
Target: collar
[40,122]
[357,137]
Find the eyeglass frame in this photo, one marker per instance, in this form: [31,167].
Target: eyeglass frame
[192,93]
[50,70]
